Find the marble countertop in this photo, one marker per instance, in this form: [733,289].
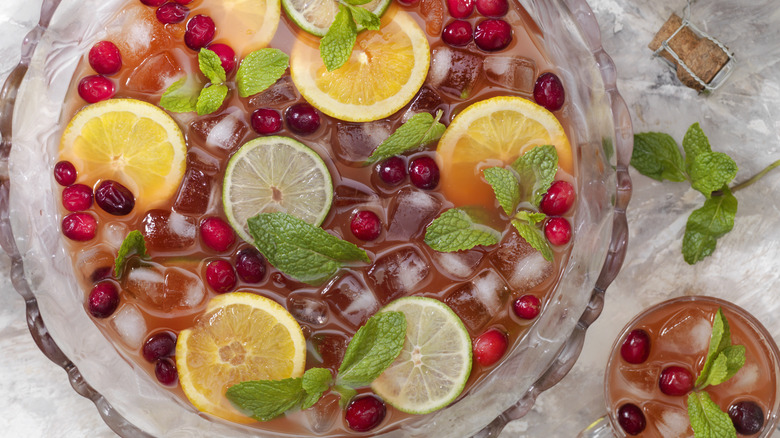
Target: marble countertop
[742,118]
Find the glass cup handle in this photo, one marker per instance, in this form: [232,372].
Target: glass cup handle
[600,428]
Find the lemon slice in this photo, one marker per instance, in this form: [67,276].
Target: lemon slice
[129,141]
[494,132]
[386,69]
[241,337]
[316,17]
[247,24]
[275,174]
[435,361]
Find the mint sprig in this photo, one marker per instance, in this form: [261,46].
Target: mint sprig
[418,131]
[181,96]
[536,169]
[707,420]
[303,251]
[505,186]
[373,348]
[337,44]
[456,230]
[259,70]
[132,245]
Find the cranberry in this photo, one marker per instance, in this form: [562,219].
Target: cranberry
[103,299]
[114,198]
[200,31]
[489,347]
[527,306]
[557,230]
[558,199]
[183,2]
[171,13]
[104,57]
[217,234]
[220,276]
[392,171]
[77,197]
[79,226]
[493,34]
[250,265]
[460,8]
[227,56]
[675,380]
[365,413]
[158,346]
[165,371]
[302,118]
[266,121]
[548,92]
[65,173]
[366,225]
[636,347]
[747,416]
[493,8]
[631,419]
[101,273]
[96,88]
[424,173]
[458,33]
[153,2]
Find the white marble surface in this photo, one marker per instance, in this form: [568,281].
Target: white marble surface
[743,119]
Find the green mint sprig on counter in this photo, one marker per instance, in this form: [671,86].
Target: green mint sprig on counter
[416,132]
[132,245]
[337,44]
[373,348]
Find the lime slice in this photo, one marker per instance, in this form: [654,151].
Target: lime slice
[315,17]
[275,174]
[435,361]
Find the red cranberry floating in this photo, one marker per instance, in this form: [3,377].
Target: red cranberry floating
[153,2]
[365,413]
[79,226]
[171,13]
[392,171]
[158,346]
[65,173]
[183,2]
[493,8]
[114,198]
[77,197]
[104,57]
[250,265]
[200,31]
[747,416]
[96,88]
[103,299]
[165,371]
[675,380]
[220,276]
[636,347]
[493,34]
[558,199]
[457,34]
[227,56]
[460,8]
[548,92]
[102,273]
[557,230]
[489,347]
[424,173]
[365,225]
[631,419]
[266,121]
[217,234]
[527,306]
[302,118]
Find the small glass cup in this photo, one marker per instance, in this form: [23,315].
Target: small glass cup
[679,332]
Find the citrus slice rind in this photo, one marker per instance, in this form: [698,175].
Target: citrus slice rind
[248,24]
[386,69]
[129,141]
[316,17]
[241,337]
[435,361]
[275,174]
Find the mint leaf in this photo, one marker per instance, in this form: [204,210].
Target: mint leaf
[315,381]
[336,46]
[657,156]
[373,348]
[267,399]
[456,230]
[132,245]
[211,66]
[710,171]
[708,223]
[707,420]
[259,70]
[180,97]
[532,217]
[211,98]
[723,359]
[505,186]
[364,17]
[537,169]
[419,130]
[534,237]
[346,394]
[694,143]
[301,250]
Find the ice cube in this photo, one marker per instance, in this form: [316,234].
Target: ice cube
[278,95]
[643,379]
[164,289]
[410,212]
[668,420]
[328,348]
[90,259]
[224,132]
[183,289]
[356,141]
[522,266]
[307,310]
[460,264]
[454,71]
[145,283]
[114,233]
[398,273]
[196,188]
[323,414]
[138,33]
[155,74]
[746,381]
[352,299]
[166,230]
[426,101]
[130,325]
[688,331]
[478,300]
[514,73]
[432,12]
[350,194]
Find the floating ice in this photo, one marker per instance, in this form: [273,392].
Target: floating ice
[307,310]
[397,274]
[354,301]
[130,325]
[476,301]
[517,74]
[356,141]
[410,212]
[521,265]
[454,72]
[460,264]
[166,230]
